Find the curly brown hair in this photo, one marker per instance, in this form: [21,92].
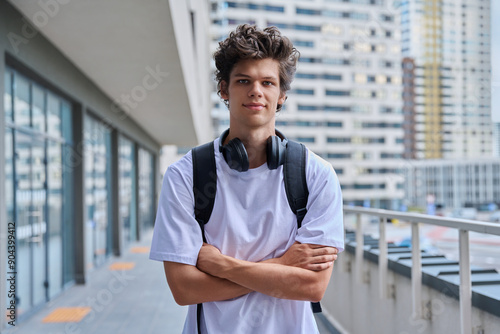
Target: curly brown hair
[248,42]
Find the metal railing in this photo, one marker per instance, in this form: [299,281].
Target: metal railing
[464,226]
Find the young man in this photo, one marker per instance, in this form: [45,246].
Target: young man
[257,273]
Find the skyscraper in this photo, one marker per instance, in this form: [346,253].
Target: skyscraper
[345,103]
[448,43]
[496,142]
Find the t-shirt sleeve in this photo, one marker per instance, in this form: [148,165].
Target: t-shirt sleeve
[177,235]
[323,222]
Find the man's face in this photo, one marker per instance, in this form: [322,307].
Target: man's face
[253,92]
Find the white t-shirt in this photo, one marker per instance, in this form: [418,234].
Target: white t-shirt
[251,220]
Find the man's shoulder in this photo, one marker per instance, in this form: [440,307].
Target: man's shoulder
[185,163]
[316,162]
[182,165]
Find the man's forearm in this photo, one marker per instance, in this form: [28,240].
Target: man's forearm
[273,279]
[190,286]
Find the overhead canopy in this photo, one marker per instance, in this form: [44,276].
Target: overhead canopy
[142,54]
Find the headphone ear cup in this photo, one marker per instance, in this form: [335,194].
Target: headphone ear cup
[236,155]
[275,151]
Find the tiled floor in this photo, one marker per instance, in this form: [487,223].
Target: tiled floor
[126,295]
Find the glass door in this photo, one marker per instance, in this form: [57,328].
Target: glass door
[31,196]
[98,192]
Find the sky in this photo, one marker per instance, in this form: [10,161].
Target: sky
[495,56]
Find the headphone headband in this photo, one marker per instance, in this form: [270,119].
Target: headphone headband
[225,133]
[235,154]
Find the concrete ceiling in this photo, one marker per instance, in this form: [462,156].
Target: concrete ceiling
[118,44]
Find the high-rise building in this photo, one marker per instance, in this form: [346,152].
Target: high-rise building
[448,42]
[453,183]
[345,103]
[496,139]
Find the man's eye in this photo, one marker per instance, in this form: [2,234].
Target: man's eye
[268,83]
[242,81]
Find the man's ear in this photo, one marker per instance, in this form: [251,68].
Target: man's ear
[223,90]
[282,98]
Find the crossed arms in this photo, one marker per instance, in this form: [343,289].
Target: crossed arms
[302,273]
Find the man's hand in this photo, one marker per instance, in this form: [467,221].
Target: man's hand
[209,259]
[308,256]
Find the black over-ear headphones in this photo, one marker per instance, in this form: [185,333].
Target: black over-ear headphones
[236,155]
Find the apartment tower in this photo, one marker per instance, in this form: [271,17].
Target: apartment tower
[446,43]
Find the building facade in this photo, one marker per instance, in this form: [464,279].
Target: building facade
[449,44]
[345,103]
[496,139]
[453,183]
[84,111]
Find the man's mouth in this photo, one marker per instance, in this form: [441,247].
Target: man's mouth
[254,106]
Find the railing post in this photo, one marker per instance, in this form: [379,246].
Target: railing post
[465,283]
[416,272]
[382,258]
[359,249]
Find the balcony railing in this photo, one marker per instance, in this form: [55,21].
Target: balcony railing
[464,226]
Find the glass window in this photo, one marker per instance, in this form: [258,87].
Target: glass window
[23,223]
[53,115]
[33,187]
[336,77]
[338,155]
[338,139]
[9,175]
[304,27]
[338,108]
[307,11]
[127,193]
[22,101]
[306,76]
[7,97]
[309,60]
[38,110]
[146,191]
[55,216]
[337,92]
[301,107]
[306,139]
[307,44]
[304,91]
[30,218]
[334,124]
[98,227]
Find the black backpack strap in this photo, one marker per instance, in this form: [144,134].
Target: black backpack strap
[199,309]
[204,183]
[204,189]
[294,173]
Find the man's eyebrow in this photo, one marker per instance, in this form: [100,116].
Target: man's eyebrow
[248,76]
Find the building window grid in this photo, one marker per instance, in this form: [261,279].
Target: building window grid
[333,13]
[254,6]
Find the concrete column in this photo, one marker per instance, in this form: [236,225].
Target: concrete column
[156,183]
[80,214]
[116,228]
[3,211]
[136,177]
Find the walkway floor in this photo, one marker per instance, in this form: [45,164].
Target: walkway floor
[133,298]
[128,294]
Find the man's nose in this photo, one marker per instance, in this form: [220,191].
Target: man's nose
[255,89]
